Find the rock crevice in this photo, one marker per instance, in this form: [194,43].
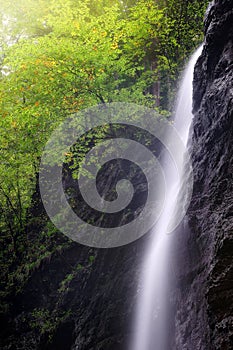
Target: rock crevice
[204,319]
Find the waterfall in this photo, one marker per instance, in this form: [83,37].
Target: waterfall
[150,324]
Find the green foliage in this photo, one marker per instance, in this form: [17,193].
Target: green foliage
[64,285]
[91,258]
[59,57]
[46,322]
[35,252]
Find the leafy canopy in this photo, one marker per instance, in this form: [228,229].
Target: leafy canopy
[58,57]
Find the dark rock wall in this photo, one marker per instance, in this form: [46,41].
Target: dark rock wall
[79,298]
[99,300]
[101,296]
[205,265]
[62,307]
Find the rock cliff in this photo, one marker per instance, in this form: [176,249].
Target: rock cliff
[205,296]
[83,299]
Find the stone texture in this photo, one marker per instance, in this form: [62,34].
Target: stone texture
[102,295]
[101,298]
[205,295]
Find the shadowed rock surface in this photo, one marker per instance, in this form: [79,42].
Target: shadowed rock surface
[92,309]
[76,298]
[205,296]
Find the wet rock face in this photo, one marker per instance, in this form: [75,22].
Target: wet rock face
[79,298]
[102,295]
[205,314]
[92,311]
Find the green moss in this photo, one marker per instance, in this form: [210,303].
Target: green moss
[64,285]
[46,322]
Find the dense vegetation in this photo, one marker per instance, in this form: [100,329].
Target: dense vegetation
[58,57]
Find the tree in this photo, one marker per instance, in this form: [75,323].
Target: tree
[62,56]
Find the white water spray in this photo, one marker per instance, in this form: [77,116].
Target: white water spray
[150,328]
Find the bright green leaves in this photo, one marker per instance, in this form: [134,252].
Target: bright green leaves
[63,56]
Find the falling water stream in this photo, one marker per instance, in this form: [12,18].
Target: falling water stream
[150,324]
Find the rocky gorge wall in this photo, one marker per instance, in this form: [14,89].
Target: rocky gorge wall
[91,308]
[204,318]
[76,297]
